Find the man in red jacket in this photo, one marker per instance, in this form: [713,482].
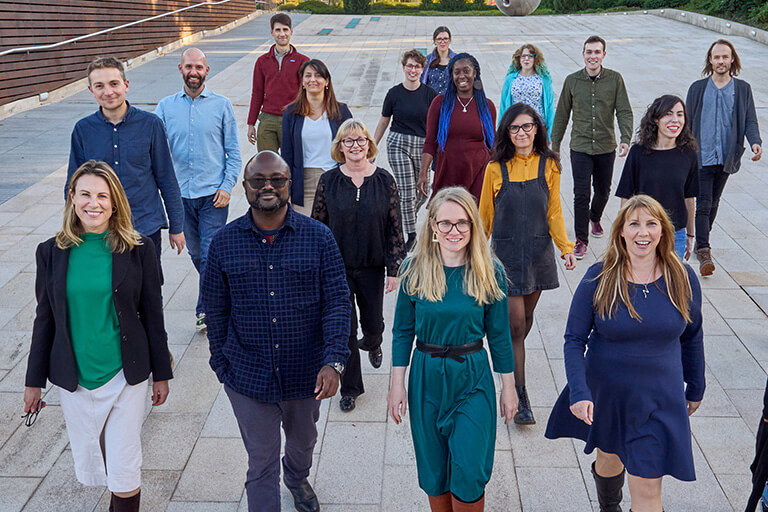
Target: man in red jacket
[275,84]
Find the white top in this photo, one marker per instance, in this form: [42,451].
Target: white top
[316,139]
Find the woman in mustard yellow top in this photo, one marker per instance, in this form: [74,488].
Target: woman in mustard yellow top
[520,207]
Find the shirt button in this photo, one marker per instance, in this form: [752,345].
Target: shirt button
[272,294]
[271,267]
[277,369]
[114,129]
[115,145]
[264,240]
[274,320]
[115,162]
[277,345]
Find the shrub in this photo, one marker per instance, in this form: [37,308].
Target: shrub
[357,6]
[565,6]
[453,5]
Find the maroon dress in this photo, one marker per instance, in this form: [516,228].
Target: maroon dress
[465,157]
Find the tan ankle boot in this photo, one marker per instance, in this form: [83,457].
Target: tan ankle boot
[475,506]
[706,266]
[440,503]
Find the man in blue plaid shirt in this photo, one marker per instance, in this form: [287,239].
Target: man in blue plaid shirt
[277,307]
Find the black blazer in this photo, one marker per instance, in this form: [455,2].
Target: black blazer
[292,151]
[139,306]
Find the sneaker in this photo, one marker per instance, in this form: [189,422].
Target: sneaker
[597,229]
[580,249]
[200,323]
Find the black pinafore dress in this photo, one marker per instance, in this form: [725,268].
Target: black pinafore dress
[521,236]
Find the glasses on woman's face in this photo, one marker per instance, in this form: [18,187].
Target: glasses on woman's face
[445,226]
[442,39]
[259,183]
[413,66]
[527,56]
[527,127]
[361,141]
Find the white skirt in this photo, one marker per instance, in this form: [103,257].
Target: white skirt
[117,409]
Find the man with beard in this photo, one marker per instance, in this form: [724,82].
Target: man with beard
[202,132]
[722,113]
[134,144]
[277,307]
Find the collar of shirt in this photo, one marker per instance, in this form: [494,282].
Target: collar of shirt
[128,114]
[204,94]
[246,222]
[587,77]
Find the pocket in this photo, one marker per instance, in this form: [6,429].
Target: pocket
[244,284]
[302,282]
[138,154]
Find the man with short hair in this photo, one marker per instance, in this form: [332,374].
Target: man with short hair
[277,307]
[134,144]
[202,133]
[722,113]
[275,84]
[595,95]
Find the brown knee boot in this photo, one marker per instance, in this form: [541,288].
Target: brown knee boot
[440,503]
[118,504]
[475,506]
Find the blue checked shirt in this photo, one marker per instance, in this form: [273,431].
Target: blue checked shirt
[137,149]
[276,312]
[202,133]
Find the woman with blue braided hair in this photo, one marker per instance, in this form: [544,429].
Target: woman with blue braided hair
[528,81]
[460,130]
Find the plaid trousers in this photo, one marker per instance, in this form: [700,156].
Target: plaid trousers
[404,153]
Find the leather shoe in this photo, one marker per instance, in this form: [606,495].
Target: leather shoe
[304,497]
[347,403]
[375,356]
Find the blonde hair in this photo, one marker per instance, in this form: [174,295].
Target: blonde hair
[613,288]
[347,128]
[122,236]
[423,272]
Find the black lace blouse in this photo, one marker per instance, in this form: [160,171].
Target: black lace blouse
[365,221]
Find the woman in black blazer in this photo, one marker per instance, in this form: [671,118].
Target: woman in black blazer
[309,126]
[99,333]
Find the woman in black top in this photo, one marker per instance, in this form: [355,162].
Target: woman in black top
[359,203]
[407,104]
[662,163]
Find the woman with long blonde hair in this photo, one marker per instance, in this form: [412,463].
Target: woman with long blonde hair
[639,313]
[452,295]
[98,333]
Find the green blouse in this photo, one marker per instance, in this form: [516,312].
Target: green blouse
[456,320]
[93,325]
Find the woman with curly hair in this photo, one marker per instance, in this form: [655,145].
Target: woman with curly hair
[459,131]
[528,81]
[662,164]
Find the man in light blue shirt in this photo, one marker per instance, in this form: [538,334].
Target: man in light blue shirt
[202,133]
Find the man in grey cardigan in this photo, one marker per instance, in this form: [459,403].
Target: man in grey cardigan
[722,113]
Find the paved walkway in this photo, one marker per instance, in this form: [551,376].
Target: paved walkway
[193,456]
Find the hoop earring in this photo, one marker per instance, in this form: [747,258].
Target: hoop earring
[114,209]
[434,236]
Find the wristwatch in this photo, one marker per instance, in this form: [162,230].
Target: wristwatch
[338,367]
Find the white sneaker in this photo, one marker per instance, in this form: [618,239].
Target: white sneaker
[200,323]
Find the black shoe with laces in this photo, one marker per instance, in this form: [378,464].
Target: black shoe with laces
[347,403]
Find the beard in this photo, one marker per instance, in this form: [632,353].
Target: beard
[191,85]
[278,204]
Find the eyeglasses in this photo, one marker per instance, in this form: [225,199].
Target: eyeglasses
[413,66]
[445,226]
[30,417]
[527,127]
[259,183]
[442,39]
[528,56]
[348,143]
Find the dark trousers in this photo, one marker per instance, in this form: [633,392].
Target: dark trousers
[711,184]
[157,239]
[201,221]
[366,287]
[259,424]
[595,172]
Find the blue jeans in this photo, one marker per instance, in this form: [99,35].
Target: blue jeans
[680,236]
[201,221]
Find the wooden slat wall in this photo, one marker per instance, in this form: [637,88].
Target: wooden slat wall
[36,22]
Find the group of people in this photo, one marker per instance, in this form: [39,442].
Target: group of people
[329,232]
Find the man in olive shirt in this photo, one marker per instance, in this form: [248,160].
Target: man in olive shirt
[594,94]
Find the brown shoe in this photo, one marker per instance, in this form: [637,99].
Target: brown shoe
[706,266]
[440,503]
[475,506]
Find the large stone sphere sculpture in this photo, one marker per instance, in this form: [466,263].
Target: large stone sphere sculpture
[517,7]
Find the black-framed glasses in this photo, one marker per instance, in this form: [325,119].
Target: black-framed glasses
[348,143]
[445,226]
[30,417]
[442,39]
[259,183]
[528,56]
[413,66]
[527,127]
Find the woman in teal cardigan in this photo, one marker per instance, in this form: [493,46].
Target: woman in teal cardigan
[528,81]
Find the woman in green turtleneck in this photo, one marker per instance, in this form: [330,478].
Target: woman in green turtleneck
[99,332]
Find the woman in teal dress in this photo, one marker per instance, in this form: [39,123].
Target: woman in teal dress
[452,295]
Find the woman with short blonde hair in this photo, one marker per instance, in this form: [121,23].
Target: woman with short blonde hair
[639,313]
[452,296]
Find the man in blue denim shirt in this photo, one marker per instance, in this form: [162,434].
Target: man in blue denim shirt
[277,307]
[202,133]
[134,144]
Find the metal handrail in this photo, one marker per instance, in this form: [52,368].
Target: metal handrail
[108,30]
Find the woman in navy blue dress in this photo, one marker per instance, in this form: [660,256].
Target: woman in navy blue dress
[639,313]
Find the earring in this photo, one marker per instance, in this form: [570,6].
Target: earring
[114,209]
[434,236]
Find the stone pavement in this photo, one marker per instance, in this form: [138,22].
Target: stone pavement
[193,456]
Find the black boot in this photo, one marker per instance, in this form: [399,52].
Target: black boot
[118,504]
[609,491]
[524,414]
